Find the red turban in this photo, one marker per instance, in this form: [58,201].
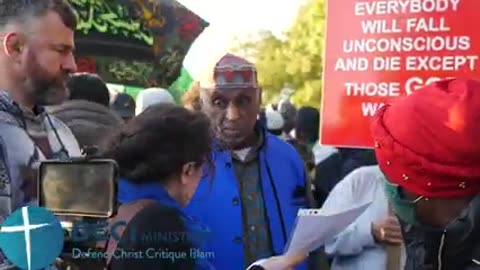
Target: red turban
[429,142]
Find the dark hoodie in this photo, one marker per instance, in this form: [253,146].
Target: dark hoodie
[90,122]
[457,247]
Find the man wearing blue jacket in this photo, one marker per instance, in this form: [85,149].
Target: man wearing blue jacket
[258,186]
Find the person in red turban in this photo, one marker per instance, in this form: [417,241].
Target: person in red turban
[428,147]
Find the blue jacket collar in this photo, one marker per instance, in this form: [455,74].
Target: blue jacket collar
[130,192]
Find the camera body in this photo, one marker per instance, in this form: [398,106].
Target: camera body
[82,194]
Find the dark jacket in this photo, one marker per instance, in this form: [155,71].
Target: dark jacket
[355,158]
[90,122]
[457,249]
[167,220]
[152,220]
[160,231]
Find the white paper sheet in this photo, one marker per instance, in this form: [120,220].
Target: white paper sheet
[314,227]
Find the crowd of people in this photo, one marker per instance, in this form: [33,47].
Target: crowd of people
[234,174]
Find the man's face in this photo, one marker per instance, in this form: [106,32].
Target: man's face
[233,113]
[46,60]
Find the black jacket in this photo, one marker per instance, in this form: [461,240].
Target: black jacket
[456,248]
[149,221]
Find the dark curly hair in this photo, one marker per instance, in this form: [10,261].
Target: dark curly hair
[22,10]
[157,143]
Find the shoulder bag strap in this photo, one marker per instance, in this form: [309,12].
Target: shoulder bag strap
[126,212]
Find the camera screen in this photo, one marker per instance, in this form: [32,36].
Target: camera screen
[78,189]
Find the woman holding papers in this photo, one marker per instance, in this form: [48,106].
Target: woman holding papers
[428,147]
[371,241]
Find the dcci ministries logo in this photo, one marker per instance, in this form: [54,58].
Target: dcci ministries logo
[31,238]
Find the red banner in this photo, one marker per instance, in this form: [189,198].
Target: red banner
[380,50]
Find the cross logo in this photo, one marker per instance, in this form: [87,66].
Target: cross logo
[31,228]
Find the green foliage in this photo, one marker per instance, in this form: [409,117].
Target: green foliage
[297,60]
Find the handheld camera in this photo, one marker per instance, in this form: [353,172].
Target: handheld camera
[79,191]
[83,188]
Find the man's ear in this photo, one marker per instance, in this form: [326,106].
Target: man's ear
[13,45]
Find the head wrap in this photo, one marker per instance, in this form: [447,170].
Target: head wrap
[428,142]
[231,72]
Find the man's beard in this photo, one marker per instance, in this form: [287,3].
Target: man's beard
[47,92]
[227,142]
[43,88]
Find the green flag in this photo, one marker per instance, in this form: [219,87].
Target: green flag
[181,85]
[133,91]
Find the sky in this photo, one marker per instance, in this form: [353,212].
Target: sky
[235,18]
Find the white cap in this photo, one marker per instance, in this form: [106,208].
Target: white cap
[152,96]
[274,120]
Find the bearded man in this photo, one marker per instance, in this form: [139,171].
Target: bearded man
[36,58]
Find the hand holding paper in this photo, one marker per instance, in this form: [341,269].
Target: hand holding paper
[314,227]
